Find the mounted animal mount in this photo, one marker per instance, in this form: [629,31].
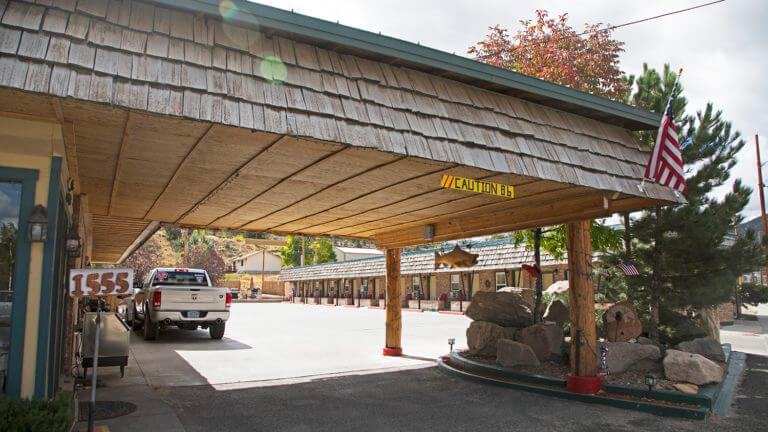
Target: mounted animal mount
[456,258]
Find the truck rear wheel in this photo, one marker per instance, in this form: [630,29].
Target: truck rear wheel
[217,330]
[150,329]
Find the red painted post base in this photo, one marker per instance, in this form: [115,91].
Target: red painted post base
[583,385]
[393,352]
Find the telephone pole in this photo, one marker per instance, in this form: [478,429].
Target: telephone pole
[761,186]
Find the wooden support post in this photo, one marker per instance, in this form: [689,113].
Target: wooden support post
[582,297]
[394,315]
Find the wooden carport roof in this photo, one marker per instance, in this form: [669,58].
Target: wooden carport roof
[168,118]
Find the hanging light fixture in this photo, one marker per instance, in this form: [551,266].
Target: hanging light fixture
[73,243]
[37,225]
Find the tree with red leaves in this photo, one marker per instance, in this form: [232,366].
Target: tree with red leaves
[552,50]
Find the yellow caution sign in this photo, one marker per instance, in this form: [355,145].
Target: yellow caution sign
[477,186]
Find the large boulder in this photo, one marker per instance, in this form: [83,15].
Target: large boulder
[706,346]
[510,354]
[691,368]
[621,322]
[482,337]
[624,356]
[545,339]
[506,309]
[557,312]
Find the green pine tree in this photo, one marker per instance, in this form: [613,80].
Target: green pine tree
[684,255]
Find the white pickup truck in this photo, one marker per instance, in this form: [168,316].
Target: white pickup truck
[181,297]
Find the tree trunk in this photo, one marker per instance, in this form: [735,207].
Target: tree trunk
[710,321]
[627,236]
[537,314]
[656,280]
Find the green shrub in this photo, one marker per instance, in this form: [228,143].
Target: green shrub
[23,415]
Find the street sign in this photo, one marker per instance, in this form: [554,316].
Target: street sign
[477,186]
[100,282]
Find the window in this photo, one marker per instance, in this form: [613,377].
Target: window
[501,279]
[180,278]
[10,205]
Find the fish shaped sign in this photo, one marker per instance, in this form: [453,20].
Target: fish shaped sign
[456,258]
[477,186]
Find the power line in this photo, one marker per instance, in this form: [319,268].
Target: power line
[617,26]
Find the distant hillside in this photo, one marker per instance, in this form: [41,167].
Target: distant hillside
[755,225]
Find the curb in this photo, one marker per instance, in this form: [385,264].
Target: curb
[451,313]
[377,307]
[661,410]
[351,306]
[412,310]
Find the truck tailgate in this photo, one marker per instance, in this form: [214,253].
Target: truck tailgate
[199,299]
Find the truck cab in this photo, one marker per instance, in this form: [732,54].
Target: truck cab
[181,297]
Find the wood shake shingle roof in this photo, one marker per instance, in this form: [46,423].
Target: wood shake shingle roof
[152,56]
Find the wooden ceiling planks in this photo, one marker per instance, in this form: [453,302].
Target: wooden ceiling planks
[218,154]
[238,203]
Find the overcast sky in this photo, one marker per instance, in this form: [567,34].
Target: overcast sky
[722,48]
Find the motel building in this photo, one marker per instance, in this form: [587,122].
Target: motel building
[360,282]
[119,116]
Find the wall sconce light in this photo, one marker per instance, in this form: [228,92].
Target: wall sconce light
[37,225]
[73,244]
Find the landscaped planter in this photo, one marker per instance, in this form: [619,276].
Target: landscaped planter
[662,403]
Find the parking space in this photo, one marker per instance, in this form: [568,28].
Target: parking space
[268,344]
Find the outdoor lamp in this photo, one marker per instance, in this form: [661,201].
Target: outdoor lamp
[650,381]
[73,244]
[451,341]
[37,225]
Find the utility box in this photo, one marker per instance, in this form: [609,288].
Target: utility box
[114,339]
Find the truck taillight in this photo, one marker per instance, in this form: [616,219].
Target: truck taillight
[229,299]
[156,297]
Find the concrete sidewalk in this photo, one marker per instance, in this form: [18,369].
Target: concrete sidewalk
[747,335]
[152,414]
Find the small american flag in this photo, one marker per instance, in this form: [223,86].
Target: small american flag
[628,268]
[666,163]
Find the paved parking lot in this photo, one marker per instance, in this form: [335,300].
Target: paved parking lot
[278,343]
[331,357]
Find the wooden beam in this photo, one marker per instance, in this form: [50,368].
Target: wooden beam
[394,324]
[283,180]
[178,169]
[345,179]
[393,185]
[229,179]
[577,207]
[530,193]
[582,299]
[70,150]
[119,164]
[151,228]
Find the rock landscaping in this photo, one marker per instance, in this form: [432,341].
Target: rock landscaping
[503,333]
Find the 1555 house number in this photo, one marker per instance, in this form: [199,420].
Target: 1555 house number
[100,282]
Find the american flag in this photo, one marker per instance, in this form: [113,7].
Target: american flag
[666,163]
[628,268]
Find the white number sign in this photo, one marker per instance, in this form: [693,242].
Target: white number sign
[100,282]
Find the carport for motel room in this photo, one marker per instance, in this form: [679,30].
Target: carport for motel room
[258,119]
